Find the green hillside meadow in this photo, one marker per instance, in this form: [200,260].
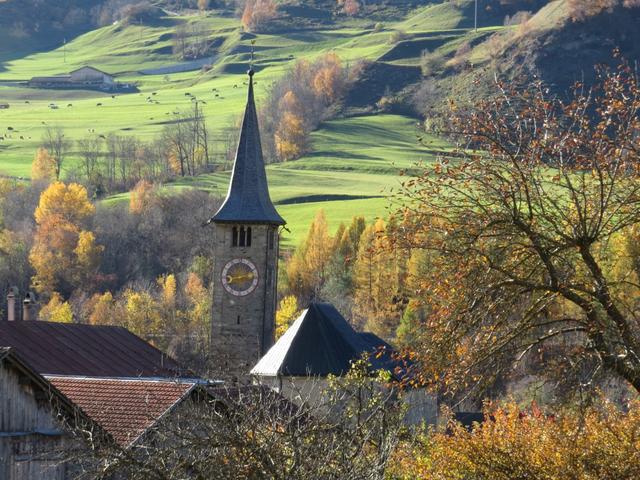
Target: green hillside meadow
[354,163]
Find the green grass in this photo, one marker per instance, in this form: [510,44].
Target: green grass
[354,162]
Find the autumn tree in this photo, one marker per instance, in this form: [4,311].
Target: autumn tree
[142,197]
[307,94]
[56,310]
[43,166]
[598,442]
[203,5]
[287,312]
[291,135]
[329,80]
[339,287]
[55,142]
[307,269]
[378,278]
[521,225]
[349,7]
[258,13]
[65,254]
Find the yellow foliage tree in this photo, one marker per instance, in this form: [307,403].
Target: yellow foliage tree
[169,289]
[379,277]
[307,269]
[56,310]
[288,311]
[328,82]
[142,197]
[258,13]
[63,254]
[599,442]
[291,134]
[199,312]
[43,166]
[64,203]
[144,315]
[103,310]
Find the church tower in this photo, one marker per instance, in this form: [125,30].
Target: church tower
[245,258]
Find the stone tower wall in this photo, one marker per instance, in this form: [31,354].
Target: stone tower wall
[243,327]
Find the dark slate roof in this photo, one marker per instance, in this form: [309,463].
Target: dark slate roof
[248,198]
[86,350]
[321,342]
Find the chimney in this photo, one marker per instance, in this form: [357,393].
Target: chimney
[11,304]
[29,307]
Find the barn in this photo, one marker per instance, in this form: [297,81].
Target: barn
[54,375]
[91,76]
[84,77]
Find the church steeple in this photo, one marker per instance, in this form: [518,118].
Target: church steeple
[245,259]
[248,199]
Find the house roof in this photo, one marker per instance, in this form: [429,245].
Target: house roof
[91,68]
[248,198]
[321,342]
[125,408]
[86,350]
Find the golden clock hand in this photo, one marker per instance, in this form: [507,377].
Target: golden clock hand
[239,278]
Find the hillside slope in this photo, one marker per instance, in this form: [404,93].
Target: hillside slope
[552,45]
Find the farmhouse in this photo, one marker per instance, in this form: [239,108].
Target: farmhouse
[84,77]
[54,375]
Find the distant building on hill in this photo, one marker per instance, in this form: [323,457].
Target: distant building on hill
[84,77]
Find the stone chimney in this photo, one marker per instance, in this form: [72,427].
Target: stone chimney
[11,304]
[29,307]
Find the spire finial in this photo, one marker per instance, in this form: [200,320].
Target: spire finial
[250,72]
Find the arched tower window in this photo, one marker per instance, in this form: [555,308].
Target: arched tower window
[248,236]
[234,236]
[243,237]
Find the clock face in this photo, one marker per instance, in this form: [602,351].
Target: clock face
[240,277]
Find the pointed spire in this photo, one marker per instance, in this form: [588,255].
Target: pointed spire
[248,199]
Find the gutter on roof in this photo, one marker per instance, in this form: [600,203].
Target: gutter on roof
[175,380]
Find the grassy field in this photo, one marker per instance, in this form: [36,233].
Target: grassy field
[354,162]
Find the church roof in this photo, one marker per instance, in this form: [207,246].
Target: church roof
[88,350]
[248,198]
[321,342]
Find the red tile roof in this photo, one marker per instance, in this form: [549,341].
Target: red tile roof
[86,350]
[124,408]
